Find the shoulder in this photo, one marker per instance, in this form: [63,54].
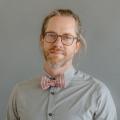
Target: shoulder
[103,93]
[27,85]
[87,79]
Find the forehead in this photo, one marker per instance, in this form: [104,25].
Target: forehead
[62,24]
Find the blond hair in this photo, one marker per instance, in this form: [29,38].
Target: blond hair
[69,13]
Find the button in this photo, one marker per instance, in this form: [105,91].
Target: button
[50,114]
[52,93]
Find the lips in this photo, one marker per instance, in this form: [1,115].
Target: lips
[56,51]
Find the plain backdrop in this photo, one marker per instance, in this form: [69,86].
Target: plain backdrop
[20,22]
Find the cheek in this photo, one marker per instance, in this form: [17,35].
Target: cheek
[70,51]
[46,47]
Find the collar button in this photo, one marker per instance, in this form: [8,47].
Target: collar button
[50,114]
[52,93]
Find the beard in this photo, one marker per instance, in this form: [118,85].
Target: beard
[56,57]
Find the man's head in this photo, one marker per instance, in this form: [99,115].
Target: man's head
[61,36]
[67,13]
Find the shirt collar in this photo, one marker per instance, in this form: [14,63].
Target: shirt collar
[68,75]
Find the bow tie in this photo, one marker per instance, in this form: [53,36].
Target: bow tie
[58,81]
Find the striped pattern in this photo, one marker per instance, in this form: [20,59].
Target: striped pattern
[57,82]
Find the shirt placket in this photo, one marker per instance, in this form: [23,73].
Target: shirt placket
[51,104]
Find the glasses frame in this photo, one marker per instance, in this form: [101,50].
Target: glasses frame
[61,36]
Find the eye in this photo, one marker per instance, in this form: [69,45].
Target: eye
[67,37]
[51,35]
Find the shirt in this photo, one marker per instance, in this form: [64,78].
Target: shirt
[83,98]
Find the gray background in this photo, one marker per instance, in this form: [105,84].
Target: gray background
[20,22]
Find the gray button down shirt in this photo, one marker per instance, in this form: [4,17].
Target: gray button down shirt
[83,98]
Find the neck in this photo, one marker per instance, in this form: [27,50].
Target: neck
[53,71]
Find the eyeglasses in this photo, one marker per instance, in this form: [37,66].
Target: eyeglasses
[66,39]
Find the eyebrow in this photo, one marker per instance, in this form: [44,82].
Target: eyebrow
[62,34]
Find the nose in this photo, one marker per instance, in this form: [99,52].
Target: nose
[58,42]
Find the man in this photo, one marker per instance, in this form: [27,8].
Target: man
[61,92]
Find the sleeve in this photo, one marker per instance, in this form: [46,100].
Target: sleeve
[105,105]
[12,112]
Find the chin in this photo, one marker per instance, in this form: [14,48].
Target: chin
[56,63]
[56,59]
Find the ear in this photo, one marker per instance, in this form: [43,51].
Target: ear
[41,41]
[78,46]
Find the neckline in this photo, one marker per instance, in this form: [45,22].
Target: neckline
[68,75]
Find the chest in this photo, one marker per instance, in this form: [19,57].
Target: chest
[74,103]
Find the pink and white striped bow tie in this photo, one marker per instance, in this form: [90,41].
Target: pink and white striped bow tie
[47,82]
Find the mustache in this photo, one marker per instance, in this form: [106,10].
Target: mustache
[56,49]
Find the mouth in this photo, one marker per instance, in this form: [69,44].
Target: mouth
[56,52]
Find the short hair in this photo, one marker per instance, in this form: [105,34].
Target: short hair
[69,13]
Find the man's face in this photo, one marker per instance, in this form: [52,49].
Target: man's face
[58,53]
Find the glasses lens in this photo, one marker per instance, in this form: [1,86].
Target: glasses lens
[50,37]
[67,39]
